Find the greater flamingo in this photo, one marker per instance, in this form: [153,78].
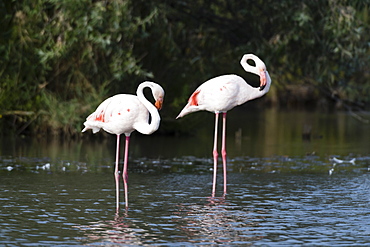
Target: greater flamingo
[221,94]
[123,114]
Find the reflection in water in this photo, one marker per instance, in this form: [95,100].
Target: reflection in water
[120,230]
[217,222]
[257,134]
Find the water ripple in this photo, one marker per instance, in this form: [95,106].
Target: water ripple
[190,164]
[275,200]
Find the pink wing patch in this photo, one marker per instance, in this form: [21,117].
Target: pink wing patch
[100,117]
[193,100]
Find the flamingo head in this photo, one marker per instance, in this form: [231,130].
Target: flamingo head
[259,68]
[159,102]
[158,94]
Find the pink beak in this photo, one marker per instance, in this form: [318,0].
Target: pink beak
[262,78]
[158,104]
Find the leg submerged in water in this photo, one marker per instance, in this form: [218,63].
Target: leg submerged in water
[116,174]
[125,174]
[215,156]
[223,151]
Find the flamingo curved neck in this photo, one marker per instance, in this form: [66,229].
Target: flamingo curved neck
[147,128]
[255,92]
[247,67]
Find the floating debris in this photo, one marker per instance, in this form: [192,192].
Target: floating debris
[339,161]
[191,164]
[336,161]
[44,167]
[331,171]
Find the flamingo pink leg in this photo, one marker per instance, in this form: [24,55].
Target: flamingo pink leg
[223,150]
[125,174]
[215,156]
[116,174]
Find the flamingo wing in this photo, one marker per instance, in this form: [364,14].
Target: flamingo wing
[219,94]
[117,115]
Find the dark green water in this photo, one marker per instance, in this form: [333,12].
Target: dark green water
[283,190]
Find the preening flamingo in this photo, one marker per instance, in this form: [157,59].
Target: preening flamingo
[221,94]
[123,114]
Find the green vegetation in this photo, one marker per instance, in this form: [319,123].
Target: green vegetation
[60,59]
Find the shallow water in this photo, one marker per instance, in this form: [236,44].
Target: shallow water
[282,190]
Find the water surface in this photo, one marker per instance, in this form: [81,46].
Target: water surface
[283,189]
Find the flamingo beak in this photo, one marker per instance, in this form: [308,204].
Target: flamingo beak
[158,103]
[262,78]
